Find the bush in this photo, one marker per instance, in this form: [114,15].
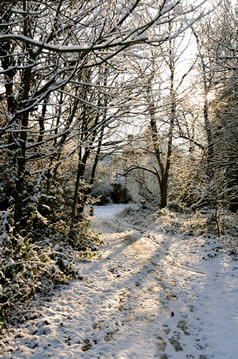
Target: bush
[46,249]
[44,253]
[29,267]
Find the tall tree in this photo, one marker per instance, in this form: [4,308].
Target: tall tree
[225,103]
[162,92]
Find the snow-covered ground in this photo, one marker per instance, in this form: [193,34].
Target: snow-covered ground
[150,294]
[109,210]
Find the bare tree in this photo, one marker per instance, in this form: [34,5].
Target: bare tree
[162,95]
[225,103]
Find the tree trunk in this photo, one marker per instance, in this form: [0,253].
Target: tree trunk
[210,143]
[164,193]
[21,151]
[21,167]
[80,173]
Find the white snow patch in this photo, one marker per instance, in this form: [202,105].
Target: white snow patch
[109,210]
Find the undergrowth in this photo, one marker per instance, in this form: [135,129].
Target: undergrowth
[204,222]
[189,223]
[44,253]
[29,266]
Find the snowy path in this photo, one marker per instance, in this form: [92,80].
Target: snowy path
[150,295]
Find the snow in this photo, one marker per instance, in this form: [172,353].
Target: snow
[141,37]
[109,210]
[149,294]
[167,8]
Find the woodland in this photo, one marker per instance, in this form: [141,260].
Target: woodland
[109,101]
